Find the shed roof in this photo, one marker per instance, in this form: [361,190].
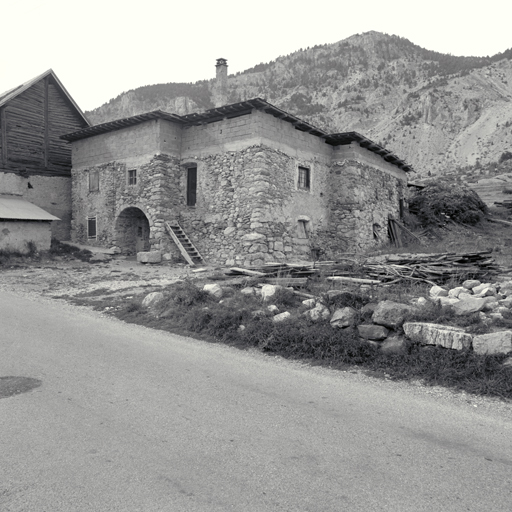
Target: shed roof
[16,208]
[7,96]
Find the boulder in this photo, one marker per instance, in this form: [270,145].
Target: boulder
[468,305]
[438,291]
[149,257]
[152,299]
[309,303]
[437,334]
[391,314]
[493,343]
[213,289]
[484,287]
[319,312]
[508,362]
[281,317]
[447,301]
[248,290]
[269,290]
[372,332]
[455,292]
[393,345]
[344,317]
[469,284]
[273,309]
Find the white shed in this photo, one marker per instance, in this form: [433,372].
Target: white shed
[24,225]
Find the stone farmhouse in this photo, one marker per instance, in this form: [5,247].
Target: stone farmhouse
[239,184]
[35,163]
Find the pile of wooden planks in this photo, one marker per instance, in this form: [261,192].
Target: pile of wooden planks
[507,203]
[385,269]
[430,268]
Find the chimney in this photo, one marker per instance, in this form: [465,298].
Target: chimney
[220,89]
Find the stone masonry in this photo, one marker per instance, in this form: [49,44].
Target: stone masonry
[250,207]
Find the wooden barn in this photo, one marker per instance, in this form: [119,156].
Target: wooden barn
[35,163]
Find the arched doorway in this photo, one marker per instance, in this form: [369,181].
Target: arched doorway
[132,231]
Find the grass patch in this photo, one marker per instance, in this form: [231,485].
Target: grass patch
[186,309]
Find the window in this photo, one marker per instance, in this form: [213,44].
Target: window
[304,178]
[91,227]
[303,228]
[191,185]
[94,181]
[132,177]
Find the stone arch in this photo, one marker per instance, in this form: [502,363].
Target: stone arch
[132,230]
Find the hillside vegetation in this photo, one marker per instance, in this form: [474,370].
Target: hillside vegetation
[438,112]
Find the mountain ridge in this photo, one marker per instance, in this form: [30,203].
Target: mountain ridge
[436,111]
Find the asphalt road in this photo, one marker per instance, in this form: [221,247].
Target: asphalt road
[130,419]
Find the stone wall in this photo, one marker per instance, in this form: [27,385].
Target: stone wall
[248,206]
[155,195]
[51,193]
[361,198]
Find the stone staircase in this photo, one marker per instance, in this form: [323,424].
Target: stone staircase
[186,247]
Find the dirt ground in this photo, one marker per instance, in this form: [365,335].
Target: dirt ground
[116,280]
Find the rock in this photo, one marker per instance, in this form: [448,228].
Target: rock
[273,309]
[281,317]
[368,309]
[493,343]
[248,290]
[468,305]
[508,362]
[309,303]
[455,292]
[241,328]
[344,317]
[213,289]
[491,303]
[393,345]
[421,301]
[506,302]
[372,332]
[269,290]
[469,284]
[152,299]
[436,292]
[447,301]
[463,296]
[149,257]
[477,290]
[391,314]
[437,334]
[319,312]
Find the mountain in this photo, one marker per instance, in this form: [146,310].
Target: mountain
[438,112]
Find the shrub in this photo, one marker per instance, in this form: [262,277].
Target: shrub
[439,202]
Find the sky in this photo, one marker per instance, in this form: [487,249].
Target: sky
[101,48]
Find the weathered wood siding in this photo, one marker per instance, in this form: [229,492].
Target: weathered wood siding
[30,127]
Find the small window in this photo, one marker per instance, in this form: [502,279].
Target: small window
[303,229]
[94,181]
[91,227]
[132,177]
[304,178]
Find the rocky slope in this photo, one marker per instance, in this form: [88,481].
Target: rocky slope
[436,111]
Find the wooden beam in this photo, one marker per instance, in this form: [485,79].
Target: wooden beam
[46,123]
[3,136]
